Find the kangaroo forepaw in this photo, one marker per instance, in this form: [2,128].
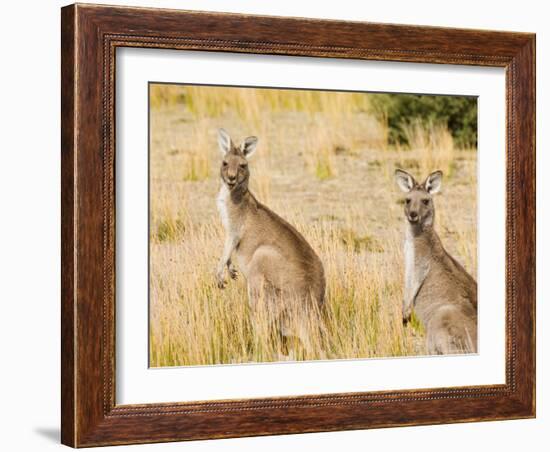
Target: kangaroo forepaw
[221,281]
[233,272]
[407,312]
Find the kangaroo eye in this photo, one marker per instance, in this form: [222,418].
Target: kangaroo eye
[425,202]
[408,200]
[243,165]
[224,163]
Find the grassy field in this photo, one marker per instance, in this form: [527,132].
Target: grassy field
[323,163]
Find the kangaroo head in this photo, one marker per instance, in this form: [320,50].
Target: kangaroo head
[234,168]
[419,206]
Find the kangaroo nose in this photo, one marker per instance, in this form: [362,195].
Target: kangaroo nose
[231,177]
[413,215]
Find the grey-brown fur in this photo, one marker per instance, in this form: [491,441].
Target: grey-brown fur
[280,267]
[441,292]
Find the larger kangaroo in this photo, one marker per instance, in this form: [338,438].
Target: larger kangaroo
[280,267]
[442,293]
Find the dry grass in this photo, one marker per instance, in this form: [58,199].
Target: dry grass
[324,165]
[435,142]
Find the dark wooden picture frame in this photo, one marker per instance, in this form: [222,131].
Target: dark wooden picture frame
[90,35]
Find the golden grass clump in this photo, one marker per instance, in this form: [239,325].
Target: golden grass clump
[435,142]
[163,95]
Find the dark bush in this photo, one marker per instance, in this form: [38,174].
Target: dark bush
[458,113]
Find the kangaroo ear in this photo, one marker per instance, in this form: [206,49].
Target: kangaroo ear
[404,180]
[224,141]
[432,184]
[249,146]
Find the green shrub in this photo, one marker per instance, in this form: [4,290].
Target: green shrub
[458,113]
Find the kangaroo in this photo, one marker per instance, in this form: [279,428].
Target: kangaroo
[442,293]
[280,267]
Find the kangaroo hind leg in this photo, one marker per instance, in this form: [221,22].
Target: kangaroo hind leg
[450,332]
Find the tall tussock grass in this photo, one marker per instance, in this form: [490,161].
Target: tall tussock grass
[325,165]
[195,323]
[435,142]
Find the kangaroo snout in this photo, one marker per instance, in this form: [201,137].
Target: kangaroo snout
[413,217]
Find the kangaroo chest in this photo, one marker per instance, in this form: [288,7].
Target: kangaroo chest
[417,266]
[233,218]
[228,212]
[223,208]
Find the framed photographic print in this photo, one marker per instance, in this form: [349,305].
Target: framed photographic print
[281,225]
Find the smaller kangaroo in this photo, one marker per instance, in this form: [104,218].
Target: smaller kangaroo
[280,267]
[442,293]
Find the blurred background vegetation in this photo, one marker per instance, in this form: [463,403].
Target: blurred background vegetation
[402,115]
[400,111]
